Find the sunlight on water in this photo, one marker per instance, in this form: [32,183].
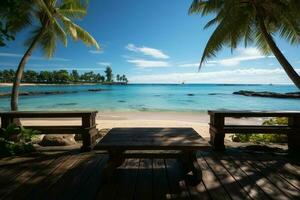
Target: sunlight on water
[189,98]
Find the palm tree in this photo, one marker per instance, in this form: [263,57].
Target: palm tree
[118,77]
[54,19]
[252,21]
[108,74]
[14,16]
[123,78]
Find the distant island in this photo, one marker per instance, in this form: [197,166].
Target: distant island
[65,77]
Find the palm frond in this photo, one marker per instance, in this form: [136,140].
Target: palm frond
[290,28]
[45,9]
[215,42]
[61,34]
[48,43]
[230,31]
[206,7]
[73,9]
[78,33]
[261,43]
[18,16]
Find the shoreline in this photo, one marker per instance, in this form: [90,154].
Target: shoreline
[41,84]
[220,84]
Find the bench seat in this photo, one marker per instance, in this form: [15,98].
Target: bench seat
[87,129]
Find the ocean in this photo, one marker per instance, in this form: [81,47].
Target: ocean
[152,97]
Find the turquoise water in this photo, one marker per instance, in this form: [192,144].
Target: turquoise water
[139,97]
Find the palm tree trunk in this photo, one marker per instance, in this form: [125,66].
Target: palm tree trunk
[294,76]
[19,72]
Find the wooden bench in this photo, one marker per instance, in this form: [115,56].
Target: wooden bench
[218,128]
[87,129]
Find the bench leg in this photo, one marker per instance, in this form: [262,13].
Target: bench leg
[116,159]
[294,138]
[217,140]
[190,164]
[89,139]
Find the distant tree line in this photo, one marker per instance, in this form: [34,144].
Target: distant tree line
[62,77]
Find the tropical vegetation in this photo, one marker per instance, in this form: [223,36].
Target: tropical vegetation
[121,78]
[15,140]
[13,18]
[60,77]
[52,21]
[251,22]
[264,138]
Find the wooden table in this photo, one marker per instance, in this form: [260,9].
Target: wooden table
[181,143]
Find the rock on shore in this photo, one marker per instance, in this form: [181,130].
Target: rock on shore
[57,140]
[294,95]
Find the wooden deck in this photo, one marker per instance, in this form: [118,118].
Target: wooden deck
[70,174]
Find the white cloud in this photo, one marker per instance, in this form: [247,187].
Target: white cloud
[155,53]
[82,69]
[14,55]
[246,76]
[243,55]
[96,51]
[104,63]
[148,63]
[189,65]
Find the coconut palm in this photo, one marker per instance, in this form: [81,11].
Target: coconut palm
[54,20]
[252,21]
[108,74]
[14,16]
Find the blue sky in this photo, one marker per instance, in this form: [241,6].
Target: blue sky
[154,42]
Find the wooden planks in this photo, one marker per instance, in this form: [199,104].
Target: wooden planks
[152,139]
[248,185]
[127,179]
[226,179]
[46,114]
[228,175]
[159,180]
[143,188]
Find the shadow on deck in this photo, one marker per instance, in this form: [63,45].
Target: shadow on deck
[68,174]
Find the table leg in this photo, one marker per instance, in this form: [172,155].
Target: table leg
[190,164]
[116,159]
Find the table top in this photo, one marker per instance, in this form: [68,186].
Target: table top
[152,139]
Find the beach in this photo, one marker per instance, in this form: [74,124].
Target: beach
[42,84]
[139,105]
